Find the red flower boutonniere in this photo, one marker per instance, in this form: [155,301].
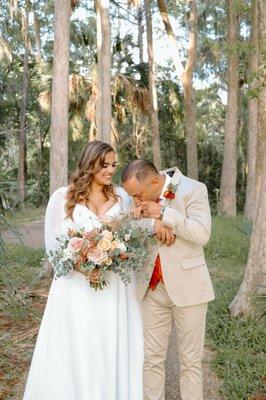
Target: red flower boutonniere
[170,192]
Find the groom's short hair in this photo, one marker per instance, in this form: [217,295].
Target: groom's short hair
[139,169]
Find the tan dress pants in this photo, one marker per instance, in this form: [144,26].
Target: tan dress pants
[158,313]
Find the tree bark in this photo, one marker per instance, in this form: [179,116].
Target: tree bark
[261,98]
[255,274]
[227,203]
[140,35]
[251,197]
[37,38]
[152,88]
[186,77]
[59,111]
[22,115]
[254,278]
[104,110]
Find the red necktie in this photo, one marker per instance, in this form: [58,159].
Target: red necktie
[157,275]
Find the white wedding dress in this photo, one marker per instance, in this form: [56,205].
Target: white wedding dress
[90,344]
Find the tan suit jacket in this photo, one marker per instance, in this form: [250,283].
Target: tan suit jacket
[184,269]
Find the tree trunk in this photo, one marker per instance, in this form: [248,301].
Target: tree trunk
[140,35]
[255,273]
[186,77]
[251,198]
[37,38]
[261,99]
[104,110]
[59,111]
[23,109]
[227,203]
[152,88]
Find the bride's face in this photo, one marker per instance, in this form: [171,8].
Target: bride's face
[105,175]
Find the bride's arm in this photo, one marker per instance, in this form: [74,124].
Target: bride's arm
[54,223]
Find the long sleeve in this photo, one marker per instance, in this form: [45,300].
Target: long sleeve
[195,225]
[54,224]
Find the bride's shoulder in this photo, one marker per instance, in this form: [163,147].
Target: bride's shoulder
[59,193]
[120,191]
[58,197]
[124,197]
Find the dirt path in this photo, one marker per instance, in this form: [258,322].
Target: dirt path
[32,236]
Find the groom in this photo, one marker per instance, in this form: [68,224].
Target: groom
[179,284]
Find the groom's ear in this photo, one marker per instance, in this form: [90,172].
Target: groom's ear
[154,180]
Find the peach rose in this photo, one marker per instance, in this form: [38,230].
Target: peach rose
[75,244]
[107,234]
[104,244]
[97,256]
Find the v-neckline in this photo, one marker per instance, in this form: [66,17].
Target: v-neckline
[96,215]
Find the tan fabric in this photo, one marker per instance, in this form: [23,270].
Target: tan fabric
[158,313]
[184,269]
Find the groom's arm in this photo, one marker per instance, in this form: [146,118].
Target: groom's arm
[195,225]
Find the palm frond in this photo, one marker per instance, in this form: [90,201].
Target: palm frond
[137,97]
[45,100]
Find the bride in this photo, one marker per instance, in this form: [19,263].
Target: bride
[89,345]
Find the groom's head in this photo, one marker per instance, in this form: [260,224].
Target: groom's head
[142,181]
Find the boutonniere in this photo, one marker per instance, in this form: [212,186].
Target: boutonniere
[170,192]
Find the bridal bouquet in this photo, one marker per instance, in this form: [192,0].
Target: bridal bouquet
[116,246]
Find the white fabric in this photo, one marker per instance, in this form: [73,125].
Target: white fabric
[90,344]
[166,183]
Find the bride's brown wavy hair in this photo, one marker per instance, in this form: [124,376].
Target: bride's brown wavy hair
[91,161]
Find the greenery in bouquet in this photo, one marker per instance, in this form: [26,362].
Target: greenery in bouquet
[116,246]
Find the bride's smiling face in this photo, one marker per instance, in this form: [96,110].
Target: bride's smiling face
[105,175]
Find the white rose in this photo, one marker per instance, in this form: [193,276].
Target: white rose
[108,261]
[120,245]
[107,234]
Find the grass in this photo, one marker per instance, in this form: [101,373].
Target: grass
[238,343]
[22,300]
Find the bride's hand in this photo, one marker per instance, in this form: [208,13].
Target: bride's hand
[135,213]
[94,276]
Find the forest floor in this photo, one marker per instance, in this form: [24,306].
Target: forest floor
[24,291]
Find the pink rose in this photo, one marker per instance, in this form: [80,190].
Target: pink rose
[75,244]
[97,256]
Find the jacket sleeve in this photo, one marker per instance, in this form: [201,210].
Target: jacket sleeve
[195,225]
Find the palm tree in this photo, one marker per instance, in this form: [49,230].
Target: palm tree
[227,203]
[104,116]
[152,88]
[59,110]
[186,77]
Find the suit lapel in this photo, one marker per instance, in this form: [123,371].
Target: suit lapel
[176,175]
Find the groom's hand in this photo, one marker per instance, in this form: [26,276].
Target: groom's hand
[150,209]
[164,235]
